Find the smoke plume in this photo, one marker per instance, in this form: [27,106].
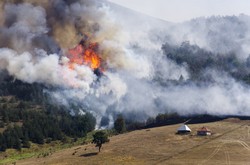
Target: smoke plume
[148,67]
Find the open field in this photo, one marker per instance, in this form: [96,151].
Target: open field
[228,145]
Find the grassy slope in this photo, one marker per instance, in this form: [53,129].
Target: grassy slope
[41,151]
[12,155]
[228,145]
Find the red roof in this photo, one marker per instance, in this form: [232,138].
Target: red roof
[204,129]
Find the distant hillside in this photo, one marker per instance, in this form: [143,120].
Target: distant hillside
[218,34]
[134,20]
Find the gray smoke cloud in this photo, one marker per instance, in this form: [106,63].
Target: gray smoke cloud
[220,35]
[140,80]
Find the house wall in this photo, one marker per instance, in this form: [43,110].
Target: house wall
[203,133]
[183,132]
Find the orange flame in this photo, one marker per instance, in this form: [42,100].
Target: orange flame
[85,54]
[91,58]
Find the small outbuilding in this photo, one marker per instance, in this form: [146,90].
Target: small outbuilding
[183,129]
[204,131]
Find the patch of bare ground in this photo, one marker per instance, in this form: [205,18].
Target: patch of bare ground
[229,144]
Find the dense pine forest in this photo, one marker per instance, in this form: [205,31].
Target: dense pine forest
[27,115]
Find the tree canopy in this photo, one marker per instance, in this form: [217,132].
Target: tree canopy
[100,138]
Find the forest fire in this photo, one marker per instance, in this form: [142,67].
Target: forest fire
[85,54]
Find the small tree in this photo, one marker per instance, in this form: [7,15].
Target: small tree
[120,125]
[25,140]
[100,138]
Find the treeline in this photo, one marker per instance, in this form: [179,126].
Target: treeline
[21,90]
[39,125]
[174,118]
[162,120]
[13,137]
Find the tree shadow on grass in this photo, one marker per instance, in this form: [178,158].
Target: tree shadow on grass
[89,154]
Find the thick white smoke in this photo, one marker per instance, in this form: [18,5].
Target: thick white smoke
[45,69]
[140,81]
[223,97]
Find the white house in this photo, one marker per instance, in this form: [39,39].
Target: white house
[183,129]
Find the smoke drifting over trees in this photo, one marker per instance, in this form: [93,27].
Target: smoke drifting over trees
[152,66]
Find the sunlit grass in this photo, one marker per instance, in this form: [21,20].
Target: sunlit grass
[15,155]
[44,150]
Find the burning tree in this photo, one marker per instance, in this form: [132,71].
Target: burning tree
[100,138]
[85,53]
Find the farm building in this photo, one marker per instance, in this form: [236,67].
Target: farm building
[204,131]
[184,129]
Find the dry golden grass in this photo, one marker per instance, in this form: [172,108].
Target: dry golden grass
[228,145]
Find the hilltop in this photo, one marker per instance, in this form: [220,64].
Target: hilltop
[229,144]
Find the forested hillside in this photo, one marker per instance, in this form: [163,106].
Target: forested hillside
[27,116]
[200,61]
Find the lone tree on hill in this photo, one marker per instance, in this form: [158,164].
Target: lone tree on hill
[120,125]
[100,138]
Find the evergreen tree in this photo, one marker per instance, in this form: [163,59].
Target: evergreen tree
[2,143]
[5,116]
[25,140]
[120,125]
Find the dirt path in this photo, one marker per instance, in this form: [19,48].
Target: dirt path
[212,154]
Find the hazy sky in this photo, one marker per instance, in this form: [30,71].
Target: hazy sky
[181,10]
